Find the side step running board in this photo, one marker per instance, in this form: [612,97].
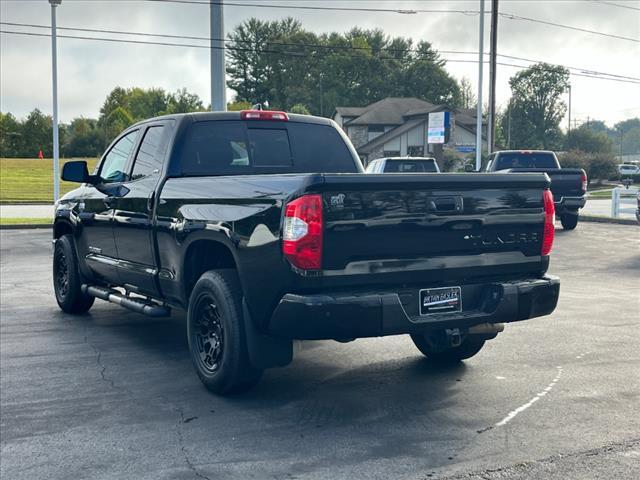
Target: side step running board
[138,305]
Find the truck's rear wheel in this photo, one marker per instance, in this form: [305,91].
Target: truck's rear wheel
[67,281]
[569,220]
[216,333]
[448,355]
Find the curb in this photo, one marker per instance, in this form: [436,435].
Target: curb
[596,219]
[5,203]
[26,226]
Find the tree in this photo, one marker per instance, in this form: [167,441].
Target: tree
[588,140]
[284,64]
[467,97]
[627,132]
[427,78]
[10,135]
[537,108]
[300,108]
[124,107]
[117,120]
[84,138]
[37,134]
[183,102]
[238,106]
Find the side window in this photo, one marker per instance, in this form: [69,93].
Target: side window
[149,157]
[114,164]
[492,158]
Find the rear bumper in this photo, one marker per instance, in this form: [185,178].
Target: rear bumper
[570,203]
[371,314]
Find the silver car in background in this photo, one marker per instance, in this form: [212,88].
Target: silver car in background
[403,165]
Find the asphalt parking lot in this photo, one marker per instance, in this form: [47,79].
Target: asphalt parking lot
[112,394]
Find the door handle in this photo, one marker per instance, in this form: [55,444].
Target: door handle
[109,201]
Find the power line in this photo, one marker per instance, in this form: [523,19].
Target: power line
[143,42]
[190,37]
[309,45]
[512,16]
[408,11]
[277,52]
[619,5]
[506,15]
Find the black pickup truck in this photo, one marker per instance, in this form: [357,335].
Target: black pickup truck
[263,226]
[568,185]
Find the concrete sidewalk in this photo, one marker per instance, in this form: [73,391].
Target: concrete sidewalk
[26,211]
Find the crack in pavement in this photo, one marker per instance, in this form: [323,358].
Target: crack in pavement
[178,410]
[102,367]
[187,460]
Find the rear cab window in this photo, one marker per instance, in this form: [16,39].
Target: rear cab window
[237,147]
[508,160]
[409,166]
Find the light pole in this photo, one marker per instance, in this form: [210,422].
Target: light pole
[218,69]
[479,106]
[569,129]
[491,121]
[54,82]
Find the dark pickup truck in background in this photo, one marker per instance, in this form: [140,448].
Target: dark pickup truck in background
[568,185]
[263,226]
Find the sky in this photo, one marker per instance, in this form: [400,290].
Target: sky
[89,70]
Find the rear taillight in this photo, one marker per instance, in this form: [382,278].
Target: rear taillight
[549,222]
[584,182]
[263,115]
[302,232]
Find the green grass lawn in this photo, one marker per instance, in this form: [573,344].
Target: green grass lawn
[25,221]
[31,179]
[600,194]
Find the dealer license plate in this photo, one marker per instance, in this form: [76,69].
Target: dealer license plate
[440,300]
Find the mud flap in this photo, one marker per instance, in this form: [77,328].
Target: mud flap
[265,351]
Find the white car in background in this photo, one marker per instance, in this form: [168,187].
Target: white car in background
[403,165]
[628,169]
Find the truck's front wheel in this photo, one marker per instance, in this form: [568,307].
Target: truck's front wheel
[467,349]
[67,281]
[569,220]
[216,333]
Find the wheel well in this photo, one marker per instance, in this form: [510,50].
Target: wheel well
[202,256]
[61,228]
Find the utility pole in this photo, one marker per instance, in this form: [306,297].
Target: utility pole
[480,75]
[491,122]
[218,69]
[509,126]
[54,83]
[569,130]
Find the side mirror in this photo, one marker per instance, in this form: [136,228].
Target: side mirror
[469,168]
[77,171]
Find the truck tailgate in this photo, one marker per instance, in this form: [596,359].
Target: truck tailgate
[565,182]
[445,226]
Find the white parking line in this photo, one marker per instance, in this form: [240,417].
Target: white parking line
[512,414]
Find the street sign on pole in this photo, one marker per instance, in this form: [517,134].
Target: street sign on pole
[437,127]
[54,73]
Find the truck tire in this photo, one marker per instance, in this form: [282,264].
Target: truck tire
[216,333]
[67,281]
[569,221]
[467,349]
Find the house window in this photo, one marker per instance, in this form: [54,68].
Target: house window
[374,131]
[415,151]
[391,153]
